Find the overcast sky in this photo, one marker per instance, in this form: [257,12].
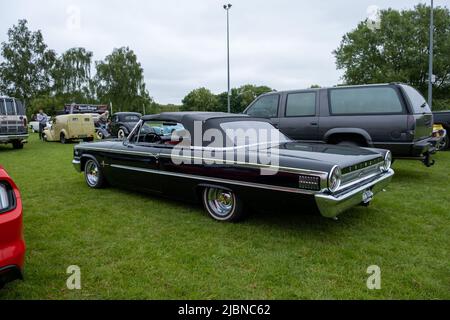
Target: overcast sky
[182,44]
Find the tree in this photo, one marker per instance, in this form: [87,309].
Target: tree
[72,71]
[250,92]
[398,50]
[241,97]
[120,80]
[25,71]
[200,99]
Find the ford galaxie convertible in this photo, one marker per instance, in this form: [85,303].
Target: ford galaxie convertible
[235,162]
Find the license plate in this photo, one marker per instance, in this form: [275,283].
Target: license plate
[367,196]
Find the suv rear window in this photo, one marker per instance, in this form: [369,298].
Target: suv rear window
[418,102]
[369,100]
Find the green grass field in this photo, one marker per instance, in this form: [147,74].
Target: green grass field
[134,246]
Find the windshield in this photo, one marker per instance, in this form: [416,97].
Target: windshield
[245,133]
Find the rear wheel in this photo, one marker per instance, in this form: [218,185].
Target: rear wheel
[100,135]
[121,134]
[223,205]
[17,145]
[93,174]
[62,138]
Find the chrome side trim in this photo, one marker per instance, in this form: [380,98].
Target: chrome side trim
[322,174]
[218,180]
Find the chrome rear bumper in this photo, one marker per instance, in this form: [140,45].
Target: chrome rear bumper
[11,137]
[332,205]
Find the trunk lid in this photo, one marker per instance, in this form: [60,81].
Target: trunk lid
[342,156]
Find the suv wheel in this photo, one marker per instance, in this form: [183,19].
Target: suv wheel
[17,145]
[223,205]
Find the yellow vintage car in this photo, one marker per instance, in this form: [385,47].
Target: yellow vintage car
[441,135]
[69,127]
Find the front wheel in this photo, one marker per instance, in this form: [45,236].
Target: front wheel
[121,134]
[93,174]
[223,205]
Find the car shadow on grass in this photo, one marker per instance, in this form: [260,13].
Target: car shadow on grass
[7,148]
[294,221]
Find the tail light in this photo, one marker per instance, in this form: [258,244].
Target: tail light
[7,202]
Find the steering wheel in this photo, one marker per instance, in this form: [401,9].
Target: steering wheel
[152,137]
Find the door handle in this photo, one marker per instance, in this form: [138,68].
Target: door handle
[314,123]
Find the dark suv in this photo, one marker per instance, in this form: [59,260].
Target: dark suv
[13,122]
[388,116]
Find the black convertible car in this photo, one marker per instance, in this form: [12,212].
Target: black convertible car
[234,162]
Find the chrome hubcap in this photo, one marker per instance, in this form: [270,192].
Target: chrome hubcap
[221,202]
[121,134]
[92,173]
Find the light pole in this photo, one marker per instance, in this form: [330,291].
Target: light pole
[430,68]
[227,7]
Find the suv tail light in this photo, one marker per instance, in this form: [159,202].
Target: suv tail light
[7,202]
